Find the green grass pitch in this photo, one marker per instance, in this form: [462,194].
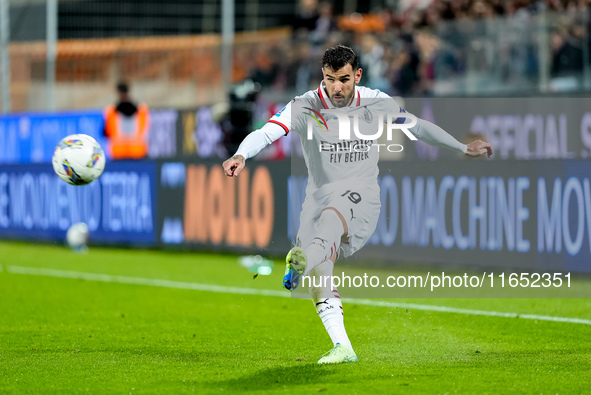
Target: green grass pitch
[66,335]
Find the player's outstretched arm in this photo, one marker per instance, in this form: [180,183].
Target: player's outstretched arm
[479,148]
[250,146]
[234,165]
[434,135]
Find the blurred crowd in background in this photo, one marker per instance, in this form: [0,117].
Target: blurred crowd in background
[406,53]
[171,53]
[171,58]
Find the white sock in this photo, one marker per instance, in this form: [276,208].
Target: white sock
[327,241]
[330,311]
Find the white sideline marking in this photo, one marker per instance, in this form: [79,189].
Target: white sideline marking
[154,282]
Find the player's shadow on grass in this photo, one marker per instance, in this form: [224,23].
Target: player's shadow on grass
[307,374]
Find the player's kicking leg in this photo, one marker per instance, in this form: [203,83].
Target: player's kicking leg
[330,227]
[317,259]
[329,308]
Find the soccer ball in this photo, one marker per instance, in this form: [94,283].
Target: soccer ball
[77,237]
[78,159]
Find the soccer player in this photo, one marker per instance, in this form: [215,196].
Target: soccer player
[342,204]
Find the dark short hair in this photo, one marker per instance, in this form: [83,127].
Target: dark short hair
[122,87]
[339,56]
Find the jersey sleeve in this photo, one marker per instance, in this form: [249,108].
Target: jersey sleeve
[425,130]
[292,116]
[391,106]
[434,135]
[283,118]
[259,139]
[278,126]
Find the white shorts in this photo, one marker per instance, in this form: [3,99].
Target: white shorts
[358,203]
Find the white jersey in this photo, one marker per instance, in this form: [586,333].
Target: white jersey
[342,173]
[328,158]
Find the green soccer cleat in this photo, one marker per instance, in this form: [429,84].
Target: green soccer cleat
[294,268]
[339,354]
